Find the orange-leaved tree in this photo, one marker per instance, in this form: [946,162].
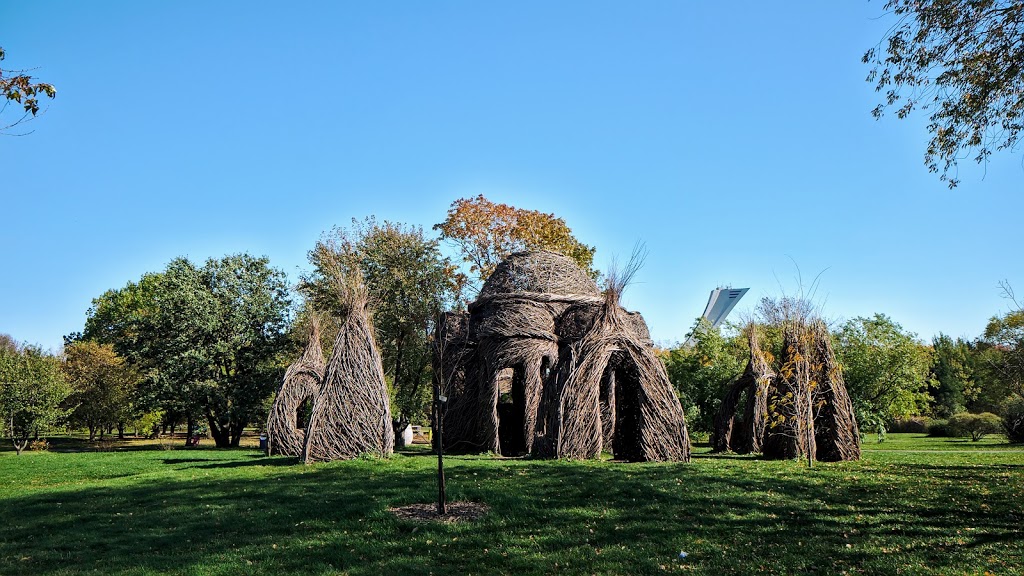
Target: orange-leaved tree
[486,232]
[16,86]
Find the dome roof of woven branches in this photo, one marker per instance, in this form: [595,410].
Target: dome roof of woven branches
[539,272]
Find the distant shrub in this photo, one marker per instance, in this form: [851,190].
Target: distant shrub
[40,445]
[940,429]
[1013,419]
[914,425]
[976,426]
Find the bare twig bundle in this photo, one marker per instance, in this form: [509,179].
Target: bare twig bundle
[301,382]
[351,414]
[584,375]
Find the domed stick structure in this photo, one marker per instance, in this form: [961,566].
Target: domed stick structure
[351,413]
[301,383]
[583,371]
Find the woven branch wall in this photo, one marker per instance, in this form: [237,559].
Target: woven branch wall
[301,382]
[351,413]
[584,374]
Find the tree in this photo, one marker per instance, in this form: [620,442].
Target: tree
[18,87]
[961,61]
[886,369]
[485,233]
[206,339]
[32,390]
[952,384]
[701,372]
[215,338]
[409,283]
[1005,336]
[103,385]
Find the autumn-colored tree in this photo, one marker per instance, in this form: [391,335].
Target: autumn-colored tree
[19,87]
[486,232]
[103,386]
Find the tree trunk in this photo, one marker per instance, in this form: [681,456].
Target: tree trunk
[19,447]
[92,433]
[221,435]
[190,426]
[236,435]
[120,430]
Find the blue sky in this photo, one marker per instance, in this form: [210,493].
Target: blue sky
[735,140]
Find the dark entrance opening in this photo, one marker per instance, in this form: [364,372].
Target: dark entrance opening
[606,399]
[302,413]
[512,411]
[627,441]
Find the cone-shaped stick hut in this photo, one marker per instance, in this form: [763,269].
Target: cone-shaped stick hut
[545,364]
[745,436]
[797,408]
[301,383]
[351,413]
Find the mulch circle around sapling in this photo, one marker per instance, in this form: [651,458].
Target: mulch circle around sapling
[457,512]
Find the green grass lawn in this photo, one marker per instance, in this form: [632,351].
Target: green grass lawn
[914,505]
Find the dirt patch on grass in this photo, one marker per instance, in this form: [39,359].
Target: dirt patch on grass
[456,512]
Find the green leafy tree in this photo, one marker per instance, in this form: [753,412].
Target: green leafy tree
[103,385]
[24,91]
[952,384]
[124,318]
[485,233]
[215,338]
[961,61]
[885,368]
[701,369]
[206,339]
[1004,335]
[409,283]
[32,393]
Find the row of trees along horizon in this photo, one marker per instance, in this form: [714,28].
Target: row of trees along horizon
[204,347]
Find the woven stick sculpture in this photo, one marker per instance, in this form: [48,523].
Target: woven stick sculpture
[301,382]
[835,426]
[584,374]
[755,381]
[810,412]
[351,413]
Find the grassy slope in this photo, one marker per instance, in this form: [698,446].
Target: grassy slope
[902,509]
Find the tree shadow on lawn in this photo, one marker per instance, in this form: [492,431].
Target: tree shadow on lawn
[730,516]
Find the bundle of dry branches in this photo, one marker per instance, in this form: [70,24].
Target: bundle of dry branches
[301,382]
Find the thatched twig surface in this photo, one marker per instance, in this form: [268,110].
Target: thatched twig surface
[301,382]
[351,414]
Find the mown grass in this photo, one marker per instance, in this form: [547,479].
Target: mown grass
[922,509]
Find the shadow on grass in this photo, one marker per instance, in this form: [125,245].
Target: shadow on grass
[245,515]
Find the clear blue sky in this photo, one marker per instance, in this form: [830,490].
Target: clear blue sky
[733,139]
